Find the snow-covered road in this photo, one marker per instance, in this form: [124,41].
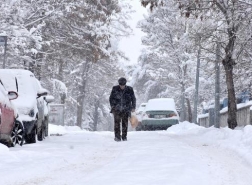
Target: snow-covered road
[147,158]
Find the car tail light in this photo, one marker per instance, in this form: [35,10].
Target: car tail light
[174,114]
[171,115]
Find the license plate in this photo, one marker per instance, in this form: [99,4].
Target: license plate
[159,116]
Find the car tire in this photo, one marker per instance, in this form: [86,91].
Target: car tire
[138,128]
[44,131]
[31,138]
[40,133]
[17,134]
[46,127]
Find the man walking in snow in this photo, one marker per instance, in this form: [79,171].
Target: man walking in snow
[122,101]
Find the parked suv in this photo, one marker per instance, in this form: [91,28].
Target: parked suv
[11,130]
[30,102]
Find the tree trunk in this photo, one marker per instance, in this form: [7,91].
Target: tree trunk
[96,115]
[182,114]
[60,72]
[60,77]
[228,65]
[195,106]
[39,71]
[189,110]
[81,96]
[217,88]
[79,111]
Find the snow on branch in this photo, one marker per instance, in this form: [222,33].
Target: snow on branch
[59,86]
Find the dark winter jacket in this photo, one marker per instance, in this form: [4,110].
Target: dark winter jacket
[122,100]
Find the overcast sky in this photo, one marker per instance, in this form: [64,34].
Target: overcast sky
[132,45]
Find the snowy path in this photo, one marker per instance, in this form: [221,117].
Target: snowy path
[148,158]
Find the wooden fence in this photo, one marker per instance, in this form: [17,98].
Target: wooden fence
[244,117]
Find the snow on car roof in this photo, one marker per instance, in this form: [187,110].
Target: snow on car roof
[161,104]
[27,86]
[26,80]
[40,86]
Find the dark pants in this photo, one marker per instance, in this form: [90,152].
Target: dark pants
[118,118]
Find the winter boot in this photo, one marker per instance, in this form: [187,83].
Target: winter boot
[124,139]
[117,139]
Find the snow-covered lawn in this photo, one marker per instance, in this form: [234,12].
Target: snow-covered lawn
[185,154]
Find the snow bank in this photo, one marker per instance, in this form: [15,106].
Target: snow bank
[61,130]
[53,130]
[3,149]
[238,140]
[184,128]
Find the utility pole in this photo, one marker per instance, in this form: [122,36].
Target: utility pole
[3,42]
[217,88]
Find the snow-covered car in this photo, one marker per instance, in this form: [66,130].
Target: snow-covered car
[11,129]
[29,104]
[139,113]
[140,110]
[48,99]
[43,111]
[159,114]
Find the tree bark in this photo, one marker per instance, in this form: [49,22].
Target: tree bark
[96,114]
[79,111]
[60,77]
[81,96]
[217,88]
[189,109]
[182,114]
[60,72]
[228,65]
[195,106]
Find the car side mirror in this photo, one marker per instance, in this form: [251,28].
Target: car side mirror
[12,95]
[42,92]
[49,99]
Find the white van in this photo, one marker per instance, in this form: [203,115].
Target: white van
[160,113]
